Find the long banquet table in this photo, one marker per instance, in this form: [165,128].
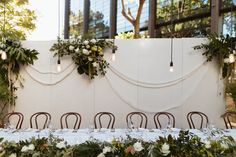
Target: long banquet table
[73,137]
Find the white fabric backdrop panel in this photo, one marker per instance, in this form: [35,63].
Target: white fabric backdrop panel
[139,80]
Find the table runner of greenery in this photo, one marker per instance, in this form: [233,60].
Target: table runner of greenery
[186,145]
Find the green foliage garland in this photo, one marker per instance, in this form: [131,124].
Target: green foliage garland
[87,54]
[185,145]
[220,49]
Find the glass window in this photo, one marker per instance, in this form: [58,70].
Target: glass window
[229,23]
[181,9]
[194,28]
[122,24]
[189,16]
[99,18]
[76,17]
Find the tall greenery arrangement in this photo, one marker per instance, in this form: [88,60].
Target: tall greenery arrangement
[16,21]
[220,49]
[17,56]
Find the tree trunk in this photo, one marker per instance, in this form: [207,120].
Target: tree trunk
[135,21]
[136,29]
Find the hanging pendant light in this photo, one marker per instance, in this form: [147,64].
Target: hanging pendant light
[59,65]
[171,44]
[114,48]
[171,66]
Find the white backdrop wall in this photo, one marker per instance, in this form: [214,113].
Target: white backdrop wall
[139,80]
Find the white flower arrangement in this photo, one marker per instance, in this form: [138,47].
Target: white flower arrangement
[165,149]
[138,146]
[207,144]
[61,145]
[106,150]
[87,54]
[27,148]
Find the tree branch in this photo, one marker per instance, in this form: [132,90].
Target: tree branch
[130,14]
[125,14]
[140,7]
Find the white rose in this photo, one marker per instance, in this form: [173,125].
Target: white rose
[101,155]
[61,145]
[87,46]
[226,60]
[86,42]
[31,147]
[13,155]
[165,149]
[77,50]
[85,51]
[207,144]
[106,150]
[224,145]
[138,146]
[71,47]
[95,64]
[93,41]
[24,149]
[79,37]
[90,59]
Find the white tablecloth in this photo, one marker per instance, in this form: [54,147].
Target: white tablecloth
[80,136]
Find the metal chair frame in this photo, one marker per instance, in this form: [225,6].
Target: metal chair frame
[226,116]
[12,114]
[98,116]
[64,118]
[170,117]
[144,119]
[203,117]
[36,116]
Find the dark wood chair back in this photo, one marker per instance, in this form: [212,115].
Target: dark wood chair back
[141,115]
[18,115]
[35,118]
[64,120]
[98,120]
[203,119]
[228,118]
[170,119]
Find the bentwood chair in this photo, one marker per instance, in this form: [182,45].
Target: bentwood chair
[228,116]
[139,117]
[104,116]
[64,120]
[45,119]
[192,119]
[163,116]
[19,119]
